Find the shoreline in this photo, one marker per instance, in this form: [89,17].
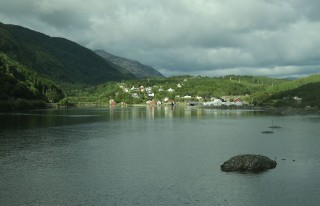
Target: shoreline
[276,110]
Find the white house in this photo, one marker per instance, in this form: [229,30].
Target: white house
[148,89]
[134,89]
[166,99]
[170,90]
[186,97]
[297,98]
[135,95]
[215,102]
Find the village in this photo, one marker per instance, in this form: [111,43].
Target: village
[157,95]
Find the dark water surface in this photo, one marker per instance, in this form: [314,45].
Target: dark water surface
[155,156]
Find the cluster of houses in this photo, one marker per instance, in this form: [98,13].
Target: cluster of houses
[134,91]
[215,102]
[149,91]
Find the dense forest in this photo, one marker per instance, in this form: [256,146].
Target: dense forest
[23,89]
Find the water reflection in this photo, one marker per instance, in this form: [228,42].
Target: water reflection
[53,118]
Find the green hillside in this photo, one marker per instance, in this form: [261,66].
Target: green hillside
[256,90]
[205,87]
[306,95]
[297,93]
[57,59]
[23,89]
[289,85]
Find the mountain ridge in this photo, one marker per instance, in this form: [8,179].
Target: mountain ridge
[57,58]
[135,67]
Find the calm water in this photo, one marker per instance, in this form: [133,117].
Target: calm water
[155,156]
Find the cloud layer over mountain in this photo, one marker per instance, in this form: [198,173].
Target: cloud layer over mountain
[203,37]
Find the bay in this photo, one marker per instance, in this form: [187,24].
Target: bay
[155,156]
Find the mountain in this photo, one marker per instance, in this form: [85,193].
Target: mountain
[58,59]
[132,66]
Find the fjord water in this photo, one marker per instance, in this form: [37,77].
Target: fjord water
[155,156]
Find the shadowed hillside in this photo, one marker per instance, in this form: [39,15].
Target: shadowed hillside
[56,58]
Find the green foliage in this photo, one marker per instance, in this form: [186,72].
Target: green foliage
[309,94]
[18,82]
[57,59]
[205,87]
[289,85]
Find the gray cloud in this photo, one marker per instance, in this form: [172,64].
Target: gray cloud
[218,37]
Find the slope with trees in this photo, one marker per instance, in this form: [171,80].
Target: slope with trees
[57,59]
[23,89]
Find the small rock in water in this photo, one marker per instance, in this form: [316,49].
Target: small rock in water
[275,127]
[267,132]
[248,163]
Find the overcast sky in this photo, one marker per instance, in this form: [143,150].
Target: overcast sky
[198,37]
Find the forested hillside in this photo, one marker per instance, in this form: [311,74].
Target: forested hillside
[57,59]
[297,93]
[19,84]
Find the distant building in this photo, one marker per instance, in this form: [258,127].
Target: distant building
[297,98]
[186,97]
[215,103]
[170,90]
[135,95]
[148,89]
[112,102]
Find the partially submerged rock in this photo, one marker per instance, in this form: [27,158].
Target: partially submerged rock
[248,163]
[275,127]
[267,132]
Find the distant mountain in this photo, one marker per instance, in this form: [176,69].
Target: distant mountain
[132,66]
[57,59]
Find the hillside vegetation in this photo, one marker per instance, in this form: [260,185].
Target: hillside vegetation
[19,84]
[32,65]
[57,59]
[256,90]
[194,86]
[298,93]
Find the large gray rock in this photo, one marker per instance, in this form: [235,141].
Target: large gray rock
[248,163]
